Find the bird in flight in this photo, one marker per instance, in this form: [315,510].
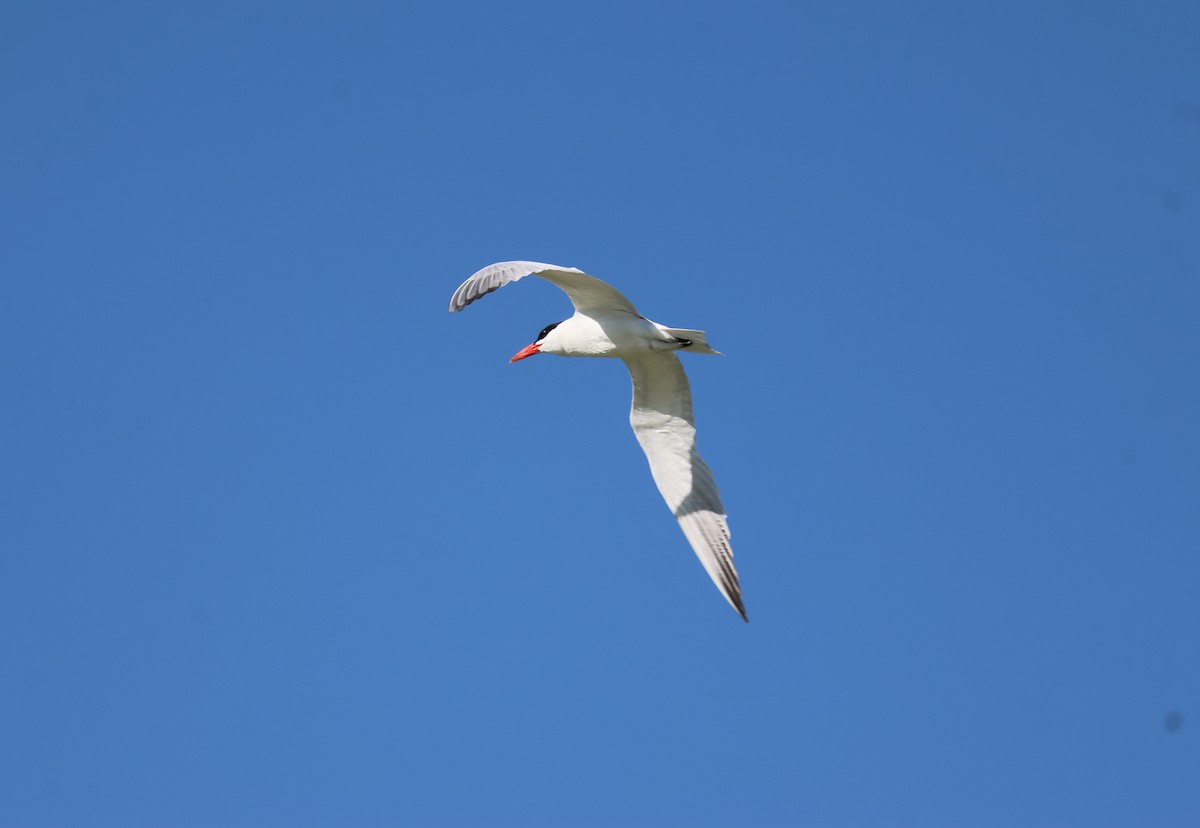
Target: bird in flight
[606,324]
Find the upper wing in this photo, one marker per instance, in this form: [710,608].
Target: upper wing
[587,293]
[662,420]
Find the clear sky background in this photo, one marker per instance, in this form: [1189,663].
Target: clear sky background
[285,544]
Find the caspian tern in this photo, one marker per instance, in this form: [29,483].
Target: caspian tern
[606,324]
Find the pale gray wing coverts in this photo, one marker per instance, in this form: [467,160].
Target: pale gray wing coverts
[662,420]
[586,292]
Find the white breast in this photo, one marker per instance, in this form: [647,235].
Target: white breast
[607,335]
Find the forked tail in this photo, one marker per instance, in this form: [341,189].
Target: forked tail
[699,345]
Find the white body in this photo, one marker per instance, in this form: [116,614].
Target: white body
[606,324]
[608,335]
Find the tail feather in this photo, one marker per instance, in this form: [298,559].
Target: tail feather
[697,338]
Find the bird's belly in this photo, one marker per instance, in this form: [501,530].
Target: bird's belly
[615,336]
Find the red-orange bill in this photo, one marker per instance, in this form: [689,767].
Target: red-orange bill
[527,351]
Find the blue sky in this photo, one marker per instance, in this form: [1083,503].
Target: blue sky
[286,544]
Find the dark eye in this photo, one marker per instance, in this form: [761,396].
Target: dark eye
[546,330]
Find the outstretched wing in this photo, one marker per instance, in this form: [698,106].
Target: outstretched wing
[587,293]
[662,420]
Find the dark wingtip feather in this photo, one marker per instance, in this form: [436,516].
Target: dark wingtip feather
[741,609]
